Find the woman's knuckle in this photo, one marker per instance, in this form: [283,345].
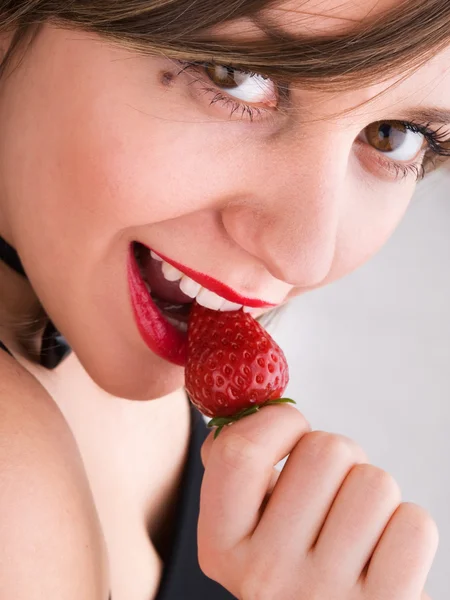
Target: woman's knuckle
[297,421]
[333,445]
[319,443]
[237,451]
[418,521]
[377,480]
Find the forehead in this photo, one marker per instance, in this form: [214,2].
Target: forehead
[325,17]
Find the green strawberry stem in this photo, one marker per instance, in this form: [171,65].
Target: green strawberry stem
[220,422]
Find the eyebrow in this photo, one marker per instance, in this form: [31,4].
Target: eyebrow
[429,114]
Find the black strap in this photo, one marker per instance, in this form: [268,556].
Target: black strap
[54,347]
[11,258]
[3,347]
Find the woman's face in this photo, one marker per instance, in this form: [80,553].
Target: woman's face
[101,148]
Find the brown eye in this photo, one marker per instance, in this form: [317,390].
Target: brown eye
[248,87]
[395,139]
[223,77]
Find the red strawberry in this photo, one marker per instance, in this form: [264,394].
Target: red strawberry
[233,365]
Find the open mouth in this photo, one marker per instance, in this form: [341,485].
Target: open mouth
[162,297]
[162,294]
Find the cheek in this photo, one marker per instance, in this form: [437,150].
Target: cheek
[99,169]
[125,169]
[97,155]
[371,215]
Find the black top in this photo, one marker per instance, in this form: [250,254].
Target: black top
[182,578]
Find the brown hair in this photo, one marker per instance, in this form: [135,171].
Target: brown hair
[374,49]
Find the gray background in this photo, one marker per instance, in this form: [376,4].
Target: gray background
[370,358]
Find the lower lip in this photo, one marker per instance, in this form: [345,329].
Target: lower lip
[160,336]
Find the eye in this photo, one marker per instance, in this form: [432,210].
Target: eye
[394,139]
[248,87]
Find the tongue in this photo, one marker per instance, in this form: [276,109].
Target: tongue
[160,287]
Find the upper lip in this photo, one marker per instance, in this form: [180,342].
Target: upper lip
[219,288]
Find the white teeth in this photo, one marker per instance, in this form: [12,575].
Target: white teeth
[204,297]
[249,309]
[228,306]
[171,273]
[155,256]
[189,287]
[209,299]
[193,289]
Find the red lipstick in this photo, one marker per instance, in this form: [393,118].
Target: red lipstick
[217,287]
[161,337]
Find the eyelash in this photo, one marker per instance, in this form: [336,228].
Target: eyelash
[438,145]
[438,142]
[248,111]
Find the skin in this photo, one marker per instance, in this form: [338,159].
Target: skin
[115,148]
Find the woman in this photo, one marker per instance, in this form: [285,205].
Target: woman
[271,146]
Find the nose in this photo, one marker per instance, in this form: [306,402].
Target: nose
[290,220]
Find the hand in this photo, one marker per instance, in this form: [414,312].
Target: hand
[328,527]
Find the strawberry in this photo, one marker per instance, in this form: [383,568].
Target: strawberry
[233,366]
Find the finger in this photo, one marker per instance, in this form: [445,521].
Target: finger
[305,490]
[364,505]
[205,451]
[239,471]
[403,557]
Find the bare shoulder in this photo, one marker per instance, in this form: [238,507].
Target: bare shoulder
[51,544]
